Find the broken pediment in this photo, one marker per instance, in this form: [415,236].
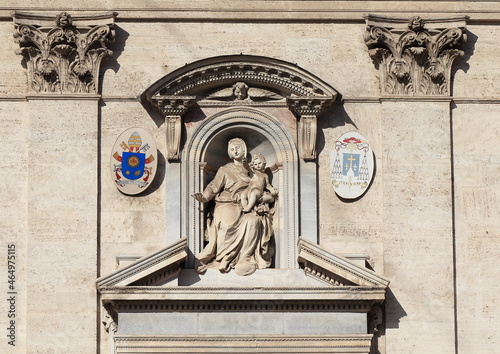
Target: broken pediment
[161,272]
[154,305]
[335,269]
[240,80]
[154,269]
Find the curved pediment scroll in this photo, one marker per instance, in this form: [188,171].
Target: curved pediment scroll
[241,80]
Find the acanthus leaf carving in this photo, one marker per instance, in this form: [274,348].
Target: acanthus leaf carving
[109,318]
[414,60]
[63,58]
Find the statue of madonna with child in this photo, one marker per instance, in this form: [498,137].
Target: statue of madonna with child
[239,227]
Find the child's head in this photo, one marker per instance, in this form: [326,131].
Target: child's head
[258,162]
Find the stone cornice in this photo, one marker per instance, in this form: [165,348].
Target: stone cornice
[332,343]
[189,293]
[282,11]
[195,78]
[244,305]
[63,54]
[415,55]
[334,269]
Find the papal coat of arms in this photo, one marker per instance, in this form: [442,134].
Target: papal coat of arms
[351,165]
[133,161]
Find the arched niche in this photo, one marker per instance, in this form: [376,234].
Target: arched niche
[278,114]
[206,151]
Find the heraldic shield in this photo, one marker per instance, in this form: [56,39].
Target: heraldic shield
[133,165]
[133,169]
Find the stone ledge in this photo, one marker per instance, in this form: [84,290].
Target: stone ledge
[357,293]
[344,343]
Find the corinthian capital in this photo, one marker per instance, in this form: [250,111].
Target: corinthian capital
[414,55]
[63,53]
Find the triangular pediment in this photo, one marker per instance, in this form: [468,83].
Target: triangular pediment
[319,264]
[150,270]
[335,269]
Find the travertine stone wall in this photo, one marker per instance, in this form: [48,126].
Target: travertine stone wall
[14,217]
[429,220]
[62,138]
[477,169]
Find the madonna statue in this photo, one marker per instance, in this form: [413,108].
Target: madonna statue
[236,239]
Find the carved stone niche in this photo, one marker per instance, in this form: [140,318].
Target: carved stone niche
[63,53]
[274,106]
[330,305]
[415,55]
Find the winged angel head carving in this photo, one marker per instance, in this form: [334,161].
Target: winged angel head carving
[240,91]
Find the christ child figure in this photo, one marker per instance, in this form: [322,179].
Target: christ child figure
[258,184]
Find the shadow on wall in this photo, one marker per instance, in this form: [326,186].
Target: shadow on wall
[461,63]
[394,312]
[333,117]
[111,62]
[159,177]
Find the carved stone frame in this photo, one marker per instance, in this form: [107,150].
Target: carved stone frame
[286,175]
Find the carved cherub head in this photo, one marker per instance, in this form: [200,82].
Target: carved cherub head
[258,162]
[416,23]
[240,90]
[64,20]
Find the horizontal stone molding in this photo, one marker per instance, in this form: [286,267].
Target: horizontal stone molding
[113,293]
[353,343]
[244,305]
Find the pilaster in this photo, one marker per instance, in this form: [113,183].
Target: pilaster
[63,54]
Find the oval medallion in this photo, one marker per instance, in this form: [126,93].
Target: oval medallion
[133,161]
[351,165]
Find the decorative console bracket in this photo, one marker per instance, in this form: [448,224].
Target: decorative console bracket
[415,56]
[307,110]
[63,53]
[173,108]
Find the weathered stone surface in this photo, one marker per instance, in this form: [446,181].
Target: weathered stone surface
[69,222]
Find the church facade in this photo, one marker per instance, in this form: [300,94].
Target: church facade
[273,177]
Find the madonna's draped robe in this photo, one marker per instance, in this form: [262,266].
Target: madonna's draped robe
[235,239]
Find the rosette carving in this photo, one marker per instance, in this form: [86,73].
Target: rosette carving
[63,58]
[414,59]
